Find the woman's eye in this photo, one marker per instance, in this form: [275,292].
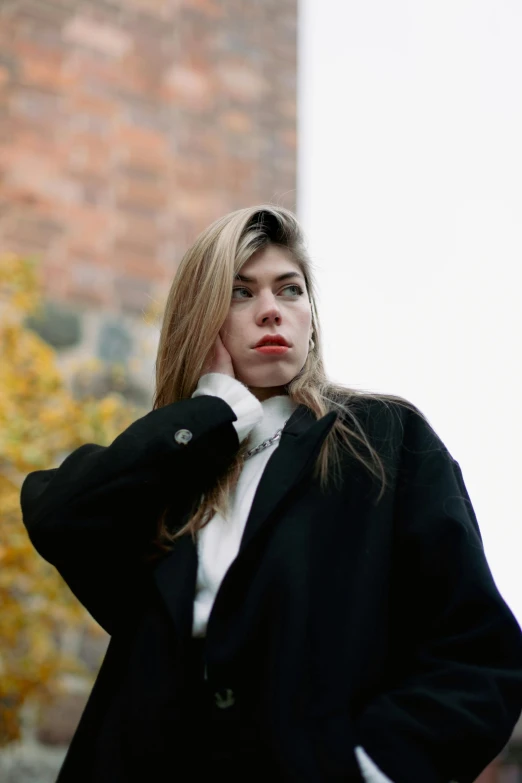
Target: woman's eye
[238,289]
[298,291]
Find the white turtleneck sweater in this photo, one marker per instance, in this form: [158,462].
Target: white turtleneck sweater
[218,542]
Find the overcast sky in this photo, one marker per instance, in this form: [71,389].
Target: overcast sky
[410,191]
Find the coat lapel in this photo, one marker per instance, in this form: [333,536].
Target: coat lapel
[294,457]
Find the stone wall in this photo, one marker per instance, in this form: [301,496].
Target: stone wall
[127,126]
[47,729]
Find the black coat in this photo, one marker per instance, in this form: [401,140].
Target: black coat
[341,622]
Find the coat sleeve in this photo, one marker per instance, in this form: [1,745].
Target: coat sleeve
[95,515]
[456,694]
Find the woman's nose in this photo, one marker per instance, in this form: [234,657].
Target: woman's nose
[273,316]
[268,311]
[269,314]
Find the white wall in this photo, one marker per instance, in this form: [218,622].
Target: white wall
[410,191]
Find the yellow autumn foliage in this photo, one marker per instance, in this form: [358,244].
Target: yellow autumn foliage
[40,423]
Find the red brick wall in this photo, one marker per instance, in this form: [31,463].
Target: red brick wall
[126,126]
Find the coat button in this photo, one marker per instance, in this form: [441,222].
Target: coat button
[183,437]
[224,698]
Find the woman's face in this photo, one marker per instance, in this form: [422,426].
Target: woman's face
[264,305]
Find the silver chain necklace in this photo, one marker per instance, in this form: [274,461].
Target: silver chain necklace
[266,443]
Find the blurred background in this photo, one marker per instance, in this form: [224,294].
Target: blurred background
[126,127]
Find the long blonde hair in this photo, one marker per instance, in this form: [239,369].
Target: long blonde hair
[197,306]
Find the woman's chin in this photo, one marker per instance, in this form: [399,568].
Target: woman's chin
[272,381]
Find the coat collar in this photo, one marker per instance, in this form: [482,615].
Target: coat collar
[294,457]
[291,462]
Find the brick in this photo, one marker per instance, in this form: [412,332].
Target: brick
[89,222]
[54,278]
[37,105]
[159,8]
[92,104]
[147,115]
[84,152]
[190,84]
[92,189]
[139,210]
[43,184]
[30,232]
[133,243]
[36,14]
[237,121]
[288,137]
[5,76]
[148,227]
[40,67]
[192,173]
[212,9]
[149,143]
[135,261]
[286,109]
[151,195]
[242,82]
[155,48]
[141,173]
[104,38]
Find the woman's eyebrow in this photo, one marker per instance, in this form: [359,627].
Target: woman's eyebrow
[285,276]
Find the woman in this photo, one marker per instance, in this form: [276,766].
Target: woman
[291,571]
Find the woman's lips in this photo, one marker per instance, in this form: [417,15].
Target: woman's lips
[276,350]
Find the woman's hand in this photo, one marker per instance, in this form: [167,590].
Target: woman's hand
[219,360]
